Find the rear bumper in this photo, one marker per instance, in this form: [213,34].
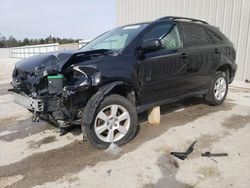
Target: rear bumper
[28,102]
[233,72]
[231,79]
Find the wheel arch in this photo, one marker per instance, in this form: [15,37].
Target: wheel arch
[116,87]
[227,69]
[124,89]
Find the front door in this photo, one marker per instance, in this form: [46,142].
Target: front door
[163,73]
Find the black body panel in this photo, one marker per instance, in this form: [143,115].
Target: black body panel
[182,68]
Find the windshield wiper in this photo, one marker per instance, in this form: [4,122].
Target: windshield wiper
[105,51]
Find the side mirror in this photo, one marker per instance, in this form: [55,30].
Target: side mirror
[151,45]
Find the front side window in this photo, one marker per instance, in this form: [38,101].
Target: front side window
[168,33]
[173,39]
[195,35]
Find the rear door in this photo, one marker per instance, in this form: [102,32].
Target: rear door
[163,72]
[202,55]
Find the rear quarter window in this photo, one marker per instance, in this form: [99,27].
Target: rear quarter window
[195,35]
[215,37]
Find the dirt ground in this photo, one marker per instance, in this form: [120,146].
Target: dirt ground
[34,155]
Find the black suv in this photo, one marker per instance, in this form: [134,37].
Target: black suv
[123,72]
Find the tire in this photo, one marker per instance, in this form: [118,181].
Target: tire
[218,89]
[105,124]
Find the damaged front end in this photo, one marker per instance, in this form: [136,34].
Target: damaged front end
[56,91]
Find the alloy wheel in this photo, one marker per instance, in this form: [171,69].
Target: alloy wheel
[220,88]
[112,123]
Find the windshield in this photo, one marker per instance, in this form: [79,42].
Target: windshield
[116,39]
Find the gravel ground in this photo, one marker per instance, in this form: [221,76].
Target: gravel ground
[34,155]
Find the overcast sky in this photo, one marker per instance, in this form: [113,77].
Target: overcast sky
[82,19]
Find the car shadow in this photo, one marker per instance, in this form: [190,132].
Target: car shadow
[77,155]
[165,109]
[172,107]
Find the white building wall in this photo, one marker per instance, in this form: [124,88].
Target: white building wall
[231,16]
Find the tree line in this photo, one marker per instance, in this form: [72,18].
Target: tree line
[13,42]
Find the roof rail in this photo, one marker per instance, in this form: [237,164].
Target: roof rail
[181,18]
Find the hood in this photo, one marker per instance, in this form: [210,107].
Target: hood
[31,72]
[57,61]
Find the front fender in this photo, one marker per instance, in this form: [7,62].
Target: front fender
[94,102]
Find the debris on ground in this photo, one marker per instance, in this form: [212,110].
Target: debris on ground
[109,172]
[211,155]
[113,149]
[64,130]
[84,139]
[183,155]
[208,154]
[35,117]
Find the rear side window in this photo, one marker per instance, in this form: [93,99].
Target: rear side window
[196,35]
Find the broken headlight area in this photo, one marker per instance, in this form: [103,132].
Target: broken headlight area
[71,90]
[81,78]
[63,101]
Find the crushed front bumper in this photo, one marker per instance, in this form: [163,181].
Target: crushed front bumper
[28,102]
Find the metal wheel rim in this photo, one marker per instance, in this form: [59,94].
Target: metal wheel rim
[112,123]
[220,88]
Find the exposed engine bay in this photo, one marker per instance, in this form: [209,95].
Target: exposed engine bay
[56,87]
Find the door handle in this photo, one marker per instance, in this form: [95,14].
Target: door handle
[184,55]
[216,50]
